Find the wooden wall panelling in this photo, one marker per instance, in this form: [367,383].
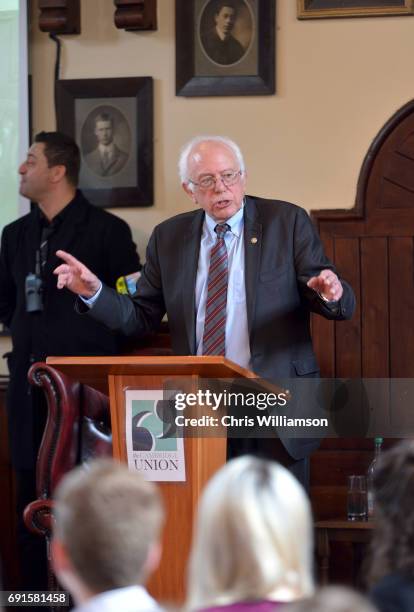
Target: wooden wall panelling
[333,228]
[374,305]
[375,342]
[353,418]
[386,166]
[383,224]
[59,16]
[397,189]
[401,306]
[348,333]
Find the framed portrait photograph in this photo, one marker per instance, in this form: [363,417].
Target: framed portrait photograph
[314,9]
[225,47]
[112,122]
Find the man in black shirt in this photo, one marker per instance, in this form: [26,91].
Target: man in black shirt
[42,322]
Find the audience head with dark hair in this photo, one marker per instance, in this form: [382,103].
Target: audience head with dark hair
[61,150]
[391,572]
[49,175]
[252,540]
[333,599]
[106,536]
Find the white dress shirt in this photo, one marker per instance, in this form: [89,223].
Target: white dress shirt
[237,332]
[127,599]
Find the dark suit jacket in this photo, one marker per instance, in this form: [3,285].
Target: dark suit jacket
[118,161]
[104,243]
[394,593]
[223,52]
[282,251]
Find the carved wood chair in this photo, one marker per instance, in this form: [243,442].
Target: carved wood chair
[78,428]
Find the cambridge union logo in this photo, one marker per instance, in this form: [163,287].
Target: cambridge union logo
[153,447]
[151,430]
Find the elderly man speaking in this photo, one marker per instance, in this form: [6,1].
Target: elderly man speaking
[237,277]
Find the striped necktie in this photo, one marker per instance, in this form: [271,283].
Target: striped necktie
[214,336]
[47,231]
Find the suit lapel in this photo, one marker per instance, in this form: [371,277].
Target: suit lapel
[189,263]
[252,253]
[111,163]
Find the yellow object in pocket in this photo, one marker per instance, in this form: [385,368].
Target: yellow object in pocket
[121,285]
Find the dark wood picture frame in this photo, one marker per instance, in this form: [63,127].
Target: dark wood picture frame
[133,183]
[226,81]
[317,9]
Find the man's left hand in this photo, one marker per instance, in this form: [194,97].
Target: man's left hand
[327,284]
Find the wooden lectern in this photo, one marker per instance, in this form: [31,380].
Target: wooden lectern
[203,456]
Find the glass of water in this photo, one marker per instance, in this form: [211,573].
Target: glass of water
[357,498]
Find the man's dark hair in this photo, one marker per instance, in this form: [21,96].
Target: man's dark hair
[219,4]
[61,150]
[104,117]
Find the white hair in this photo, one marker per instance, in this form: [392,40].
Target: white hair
[253,536]
[194,142]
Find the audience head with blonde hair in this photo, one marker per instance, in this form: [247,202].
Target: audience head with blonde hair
[107,529]
[253,537]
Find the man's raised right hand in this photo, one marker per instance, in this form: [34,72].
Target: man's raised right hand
[75,276]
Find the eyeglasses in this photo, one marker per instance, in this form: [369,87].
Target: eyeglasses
[227,178]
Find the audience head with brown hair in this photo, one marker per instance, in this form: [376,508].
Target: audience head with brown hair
[252,540]
[106,537]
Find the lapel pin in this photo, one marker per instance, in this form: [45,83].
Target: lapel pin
[253,240]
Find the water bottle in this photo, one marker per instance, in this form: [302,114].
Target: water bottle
[370,478]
